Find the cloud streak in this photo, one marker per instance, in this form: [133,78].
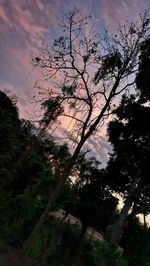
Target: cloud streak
[114,12]
[23,26]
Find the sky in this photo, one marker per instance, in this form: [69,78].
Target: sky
[25,24]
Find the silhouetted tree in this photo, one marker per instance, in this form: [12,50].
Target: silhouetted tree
[9,128]
[135,242]
[92,202]
[128,167]
[86,72]
[93,196]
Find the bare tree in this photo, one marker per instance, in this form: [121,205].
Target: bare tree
[86,72]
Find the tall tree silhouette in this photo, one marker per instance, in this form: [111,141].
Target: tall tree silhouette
[86,72]
[9,127]
[128,167]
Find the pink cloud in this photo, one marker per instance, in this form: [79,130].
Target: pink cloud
[24,25]
[118,11]
[4,18]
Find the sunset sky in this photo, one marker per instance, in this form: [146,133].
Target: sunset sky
[24,24]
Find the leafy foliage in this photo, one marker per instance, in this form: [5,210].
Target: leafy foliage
[135,242]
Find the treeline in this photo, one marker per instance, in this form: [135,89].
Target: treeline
[30,168]
[31,163]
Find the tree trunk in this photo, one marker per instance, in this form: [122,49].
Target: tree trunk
[23,258]
[115,231]
[28,243]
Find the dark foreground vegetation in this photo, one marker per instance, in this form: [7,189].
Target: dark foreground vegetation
[36,173]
